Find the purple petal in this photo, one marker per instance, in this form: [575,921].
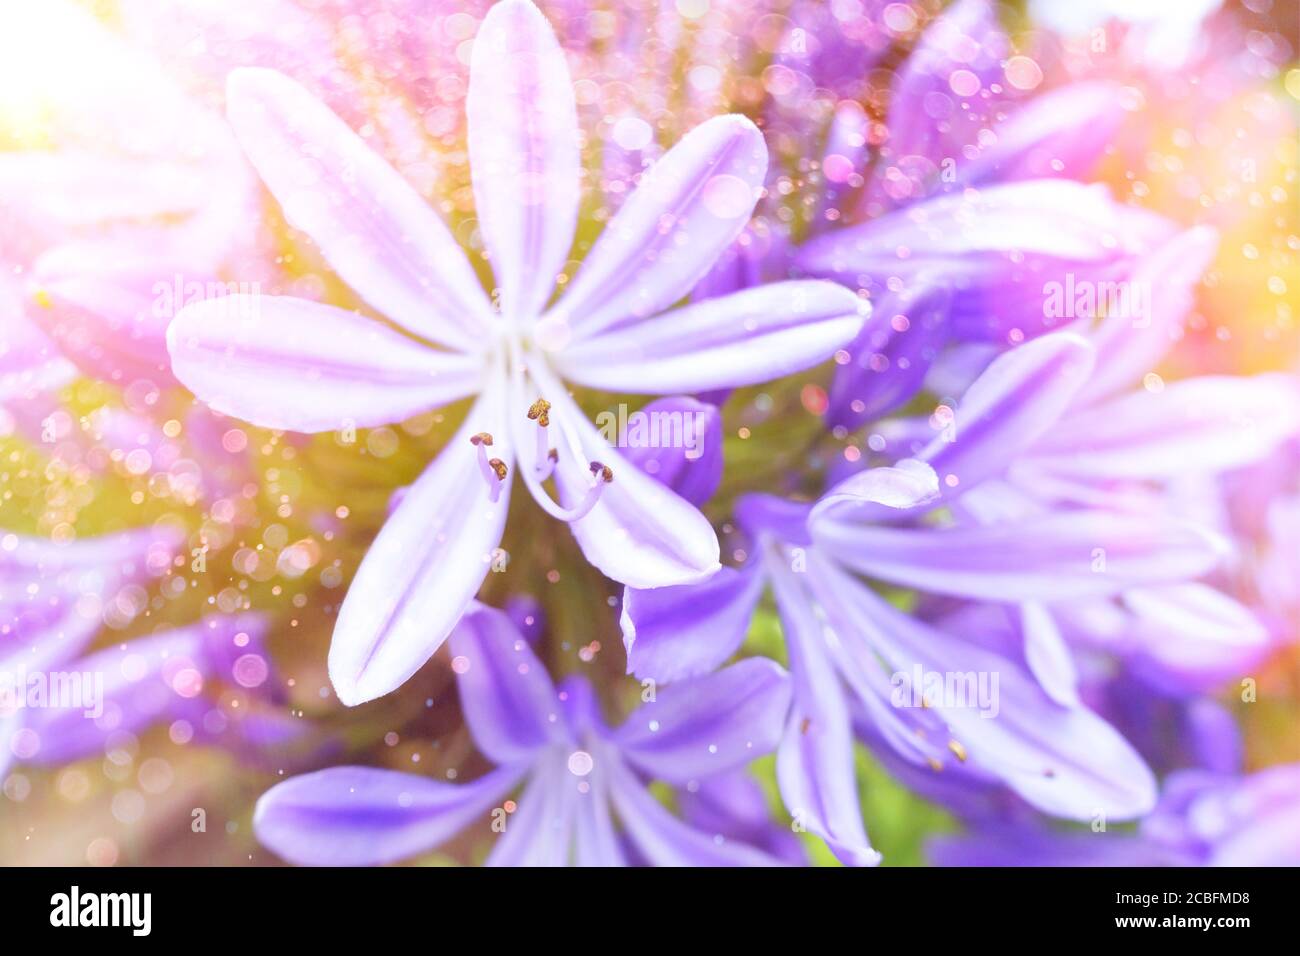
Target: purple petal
[1064,132]
[508,700]
[523,152]
[373,228]
[815,763]
[782,518]
[1019,397]
[1064,760]
[889,360]
[741,339]
[540,831]
[664,840]
[843,159]
[1129,346]
[1040,847]
[687,209]
[103,312]
[359,816]
[906,485]
[1047,654]
[30,364]
[678,442]
[673,633]
[997,248]
[734,806]
[1049,558]
[281,362]
[1261,817]
[422,570]
[1216,739]
[1209,424]
[596,842]
[709,724]
[927,118]
[141,682]
[1194,637]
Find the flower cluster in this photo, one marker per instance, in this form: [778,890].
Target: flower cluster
[919,385]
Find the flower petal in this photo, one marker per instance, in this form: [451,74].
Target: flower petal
[815,767]
[370,224]
[422,570]
[137,684]
[664,840]
[740,339]
[673,633]
[281,362]
[1049,558]
[360,816]
[1047,654]
[677,441]
[889,360]
[523,152]
[100,303]
[965,38]
[1017,399]
[687,209]
[1063,133]
[901,487]
[505,693]
[734,806]
[1209,424]
[540,831]
[1130,345]
[998,248]
[1063,760]
[1193,636]
[711,724]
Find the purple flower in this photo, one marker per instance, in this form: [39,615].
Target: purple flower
[840,633]
[584,797]
[303,366]
[845,642]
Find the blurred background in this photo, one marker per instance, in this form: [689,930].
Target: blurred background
[121,187]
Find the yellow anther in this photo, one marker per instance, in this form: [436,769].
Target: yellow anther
[540,412]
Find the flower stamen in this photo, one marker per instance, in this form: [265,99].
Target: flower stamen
[494,470]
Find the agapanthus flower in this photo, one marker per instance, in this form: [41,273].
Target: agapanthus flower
[838,630]
[293,364]
[584,799]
